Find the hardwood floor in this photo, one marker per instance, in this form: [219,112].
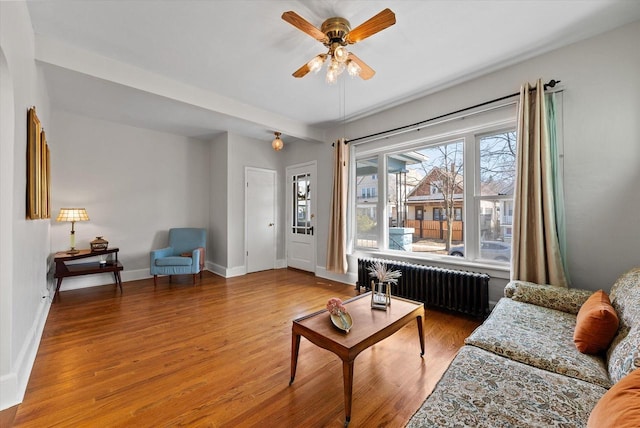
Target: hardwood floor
[218,354]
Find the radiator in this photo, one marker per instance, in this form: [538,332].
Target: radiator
[455,290]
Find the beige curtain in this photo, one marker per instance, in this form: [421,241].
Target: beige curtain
[337,242]
[536,252]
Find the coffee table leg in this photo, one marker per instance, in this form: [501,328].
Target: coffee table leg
[295,348]
[347,377]
[421,334]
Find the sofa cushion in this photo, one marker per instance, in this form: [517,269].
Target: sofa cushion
[596,324]
[481,389]
[620,406]
[540,337]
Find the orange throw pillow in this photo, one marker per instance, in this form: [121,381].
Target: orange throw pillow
[619,407]
[596,324]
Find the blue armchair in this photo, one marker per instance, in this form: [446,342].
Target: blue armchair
[184,255]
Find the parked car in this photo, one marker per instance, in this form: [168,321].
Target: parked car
[495,250]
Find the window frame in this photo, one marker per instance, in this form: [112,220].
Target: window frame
[476,124]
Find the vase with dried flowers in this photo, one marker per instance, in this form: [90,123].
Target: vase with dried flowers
[339,315]
[381,292]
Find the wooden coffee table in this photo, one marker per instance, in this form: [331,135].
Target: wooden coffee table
[370,326]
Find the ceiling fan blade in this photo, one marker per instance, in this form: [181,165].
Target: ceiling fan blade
[303,25]
[366,72]
[302,71]
[377,23]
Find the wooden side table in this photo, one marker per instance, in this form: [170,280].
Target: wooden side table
[64,270]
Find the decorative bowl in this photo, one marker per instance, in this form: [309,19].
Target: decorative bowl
[342,321]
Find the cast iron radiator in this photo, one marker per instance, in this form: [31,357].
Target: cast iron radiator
[455,290]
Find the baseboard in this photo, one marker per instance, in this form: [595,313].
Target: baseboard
[226,272]
[14,384]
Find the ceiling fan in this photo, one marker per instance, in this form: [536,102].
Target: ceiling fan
[336,33]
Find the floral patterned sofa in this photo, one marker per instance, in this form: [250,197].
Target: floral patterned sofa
[521,368]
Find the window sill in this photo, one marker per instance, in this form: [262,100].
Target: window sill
[495,270]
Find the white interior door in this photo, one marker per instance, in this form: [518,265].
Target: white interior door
[260,215]
[301,217]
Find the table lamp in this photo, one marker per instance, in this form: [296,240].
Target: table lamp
[73,215]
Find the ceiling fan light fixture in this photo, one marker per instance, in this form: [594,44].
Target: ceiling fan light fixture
[332,76]
[353,69]
[277,143]
[335,34]
[340,53]
[316,63]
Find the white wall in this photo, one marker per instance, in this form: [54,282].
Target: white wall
[601,77]
[135,183]
[24,243]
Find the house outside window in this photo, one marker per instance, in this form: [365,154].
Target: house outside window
[452,188]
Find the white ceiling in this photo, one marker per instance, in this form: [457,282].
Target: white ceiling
[199,68]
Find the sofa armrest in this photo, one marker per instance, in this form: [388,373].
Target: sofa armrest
[559,298]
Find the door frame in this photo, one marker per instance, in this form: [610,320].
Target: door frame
[313,165]
[274,173]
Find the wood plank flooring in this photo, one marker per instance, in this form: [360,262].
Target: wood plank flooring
[217,354]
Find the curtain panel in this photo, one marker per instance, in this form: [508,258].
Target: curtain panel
[536,254]
[337,241]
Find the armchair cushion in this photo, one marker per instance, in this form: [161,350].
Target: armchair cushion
[174,261]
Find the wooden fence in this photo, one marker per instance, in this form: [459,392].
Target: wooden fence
[435,229]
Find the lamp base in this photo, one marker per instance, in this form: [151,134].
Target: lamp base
[73,251]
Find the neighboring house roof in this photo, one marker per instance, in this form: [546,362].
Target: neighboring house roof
[423,188]
[497,187]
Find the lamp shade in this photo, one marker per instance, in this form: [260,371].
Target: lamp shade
[72,214]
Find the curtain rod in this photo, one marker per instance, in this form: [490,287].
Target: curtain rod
[552,83]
